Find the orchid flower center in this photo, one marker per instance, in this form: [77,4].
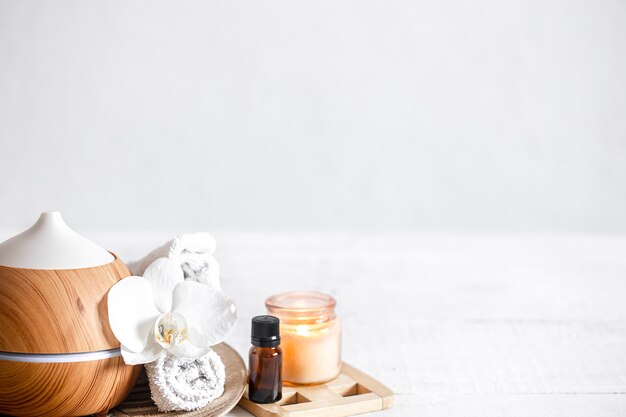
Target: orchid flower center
[170,329]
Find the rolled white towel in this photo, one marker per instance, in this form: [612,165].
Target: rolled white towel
[193,251]
[178,384]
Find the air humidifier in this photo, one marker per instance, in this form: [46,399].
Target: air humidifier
[58,355]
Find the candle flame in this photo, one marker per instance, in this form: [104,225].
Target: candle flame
[302,330]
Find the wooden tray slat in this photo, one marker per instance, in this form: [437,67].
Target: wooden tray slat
[352,392]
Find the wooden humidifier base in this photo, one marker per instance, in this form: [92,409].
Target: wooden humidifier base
[352,392]
[64,389]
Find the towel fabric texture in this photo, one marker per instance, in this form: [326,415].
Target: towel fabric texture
[178,384]
[193,251]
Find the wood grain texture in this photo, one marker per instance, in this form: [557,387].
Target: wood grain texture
[64,389]
[57,311]
[139,403]
[352,392]
[60,311]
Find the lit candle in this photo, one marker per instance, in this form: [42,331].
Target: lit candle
[310,336]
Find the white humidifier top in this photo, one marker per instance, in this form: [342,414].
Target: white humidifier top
[51,244]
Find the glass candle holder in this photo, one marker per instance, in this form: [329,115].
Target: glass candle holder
[310,336]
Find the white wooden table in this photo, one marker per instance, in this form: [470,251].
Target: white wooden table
[508,325]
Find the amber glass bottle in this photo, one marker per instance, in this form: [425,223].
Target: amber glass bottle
[265,361]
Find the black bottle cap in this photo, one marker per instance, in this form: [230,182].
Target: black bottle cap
[265,331]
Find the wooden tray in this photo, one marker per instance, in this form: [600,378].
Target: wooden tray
[139,404]
[353,392]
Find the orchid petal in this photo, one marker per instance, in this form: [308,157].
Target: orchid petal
[210,314]
[163,274]
[150,353]
[188,350]
[132,312]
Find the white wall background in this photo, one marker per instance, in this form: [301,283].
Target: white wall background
[332,114]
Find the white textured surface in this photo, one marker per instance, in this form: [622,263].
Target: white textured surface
[510,325]
[455,325]
[186,384]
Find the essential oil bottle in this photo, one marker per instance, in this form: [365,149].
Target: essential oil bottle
[265,361]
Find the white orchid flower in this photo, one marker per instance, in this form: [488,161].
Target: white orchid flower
[161,311]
